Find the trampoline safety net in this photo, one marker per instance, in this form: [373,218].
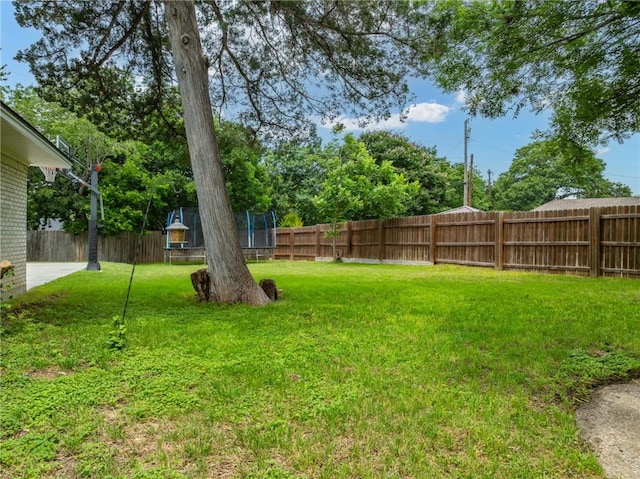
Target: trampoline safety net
[254,230]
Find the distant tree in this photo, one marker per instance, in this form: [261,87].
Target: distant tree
[357,188]
[63,199]
[109,103]
[296,175]
[541,172]
[246,176]
[290,220]
[417,163]
[130,168]
[578,58]
[126,182]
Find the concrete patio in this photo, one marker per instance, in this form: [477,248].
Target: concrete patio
[41,273]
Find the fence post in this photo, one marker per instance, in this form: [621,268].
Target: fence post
[433,227]
[318,240]
[349,239]
[292,242]
[594,242]
[499,254]
[381,240]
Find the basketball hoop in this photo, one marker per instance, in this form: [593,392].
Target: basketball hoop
[49,173]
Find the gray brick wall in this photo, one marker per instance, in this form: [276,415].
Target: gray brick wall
[13,220]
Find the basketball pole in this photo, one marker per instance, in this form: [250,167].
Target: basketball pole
[93,264]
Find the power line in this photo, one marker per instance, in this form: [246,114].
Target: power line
[446,155]
[623,176]
[491,146]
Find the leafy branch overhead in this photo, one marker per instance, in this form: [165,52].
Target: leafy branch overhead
[267,60]
[276,65]
[578,58]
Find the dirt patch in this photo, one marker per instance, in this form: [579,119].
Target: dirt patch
[136,439]
[153,442]
[66,466]
[32,308]
[610,424]
[51,372]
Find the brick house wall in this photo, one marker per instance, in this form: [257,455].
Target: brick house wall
[13,222]
[21,146]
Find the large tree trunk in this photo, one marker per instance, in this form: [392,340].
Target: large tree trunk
[230,279]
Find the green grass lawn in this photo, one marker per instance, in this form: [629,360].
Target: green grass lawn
[362,371]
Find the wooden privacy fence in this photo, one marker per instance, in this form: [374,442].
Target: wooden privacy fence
[61,246]
[597,241]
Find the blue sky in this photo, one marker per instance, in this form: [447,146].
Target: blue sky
[436,120]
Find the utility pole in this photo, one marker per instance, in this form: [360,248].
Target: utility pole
[489,185]
[465,197]
[470,188]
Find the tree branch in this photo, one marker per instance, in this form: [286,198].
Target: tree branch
[134,25]
[103,41]
[225,47]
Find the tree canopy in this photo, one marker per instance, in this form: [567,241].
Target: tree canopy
[129,169]
[417,163]
[358,188]
[541,172]
[296,174]
[578,58]
[245,175]
[454,195]
[272,64]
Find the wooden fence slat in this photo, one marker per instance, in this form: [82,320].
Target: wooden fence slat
[381,240]
[499,241]
[434,239]
[594,242]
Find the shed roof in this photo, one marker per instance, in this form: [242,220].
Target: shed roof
[574,204]
[20,140]
[460,209]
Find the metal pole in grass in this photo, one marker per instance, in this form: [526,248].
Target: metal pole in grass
[117,336]
[93,264]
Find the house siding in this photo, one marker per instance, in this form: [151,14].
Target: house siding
[13,222]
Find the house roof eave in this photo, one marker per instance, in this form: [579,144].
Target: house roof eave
[23,142]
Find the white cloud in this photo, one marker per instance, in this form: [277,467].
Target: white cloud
[603,150]
[428,112]
[461,97]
